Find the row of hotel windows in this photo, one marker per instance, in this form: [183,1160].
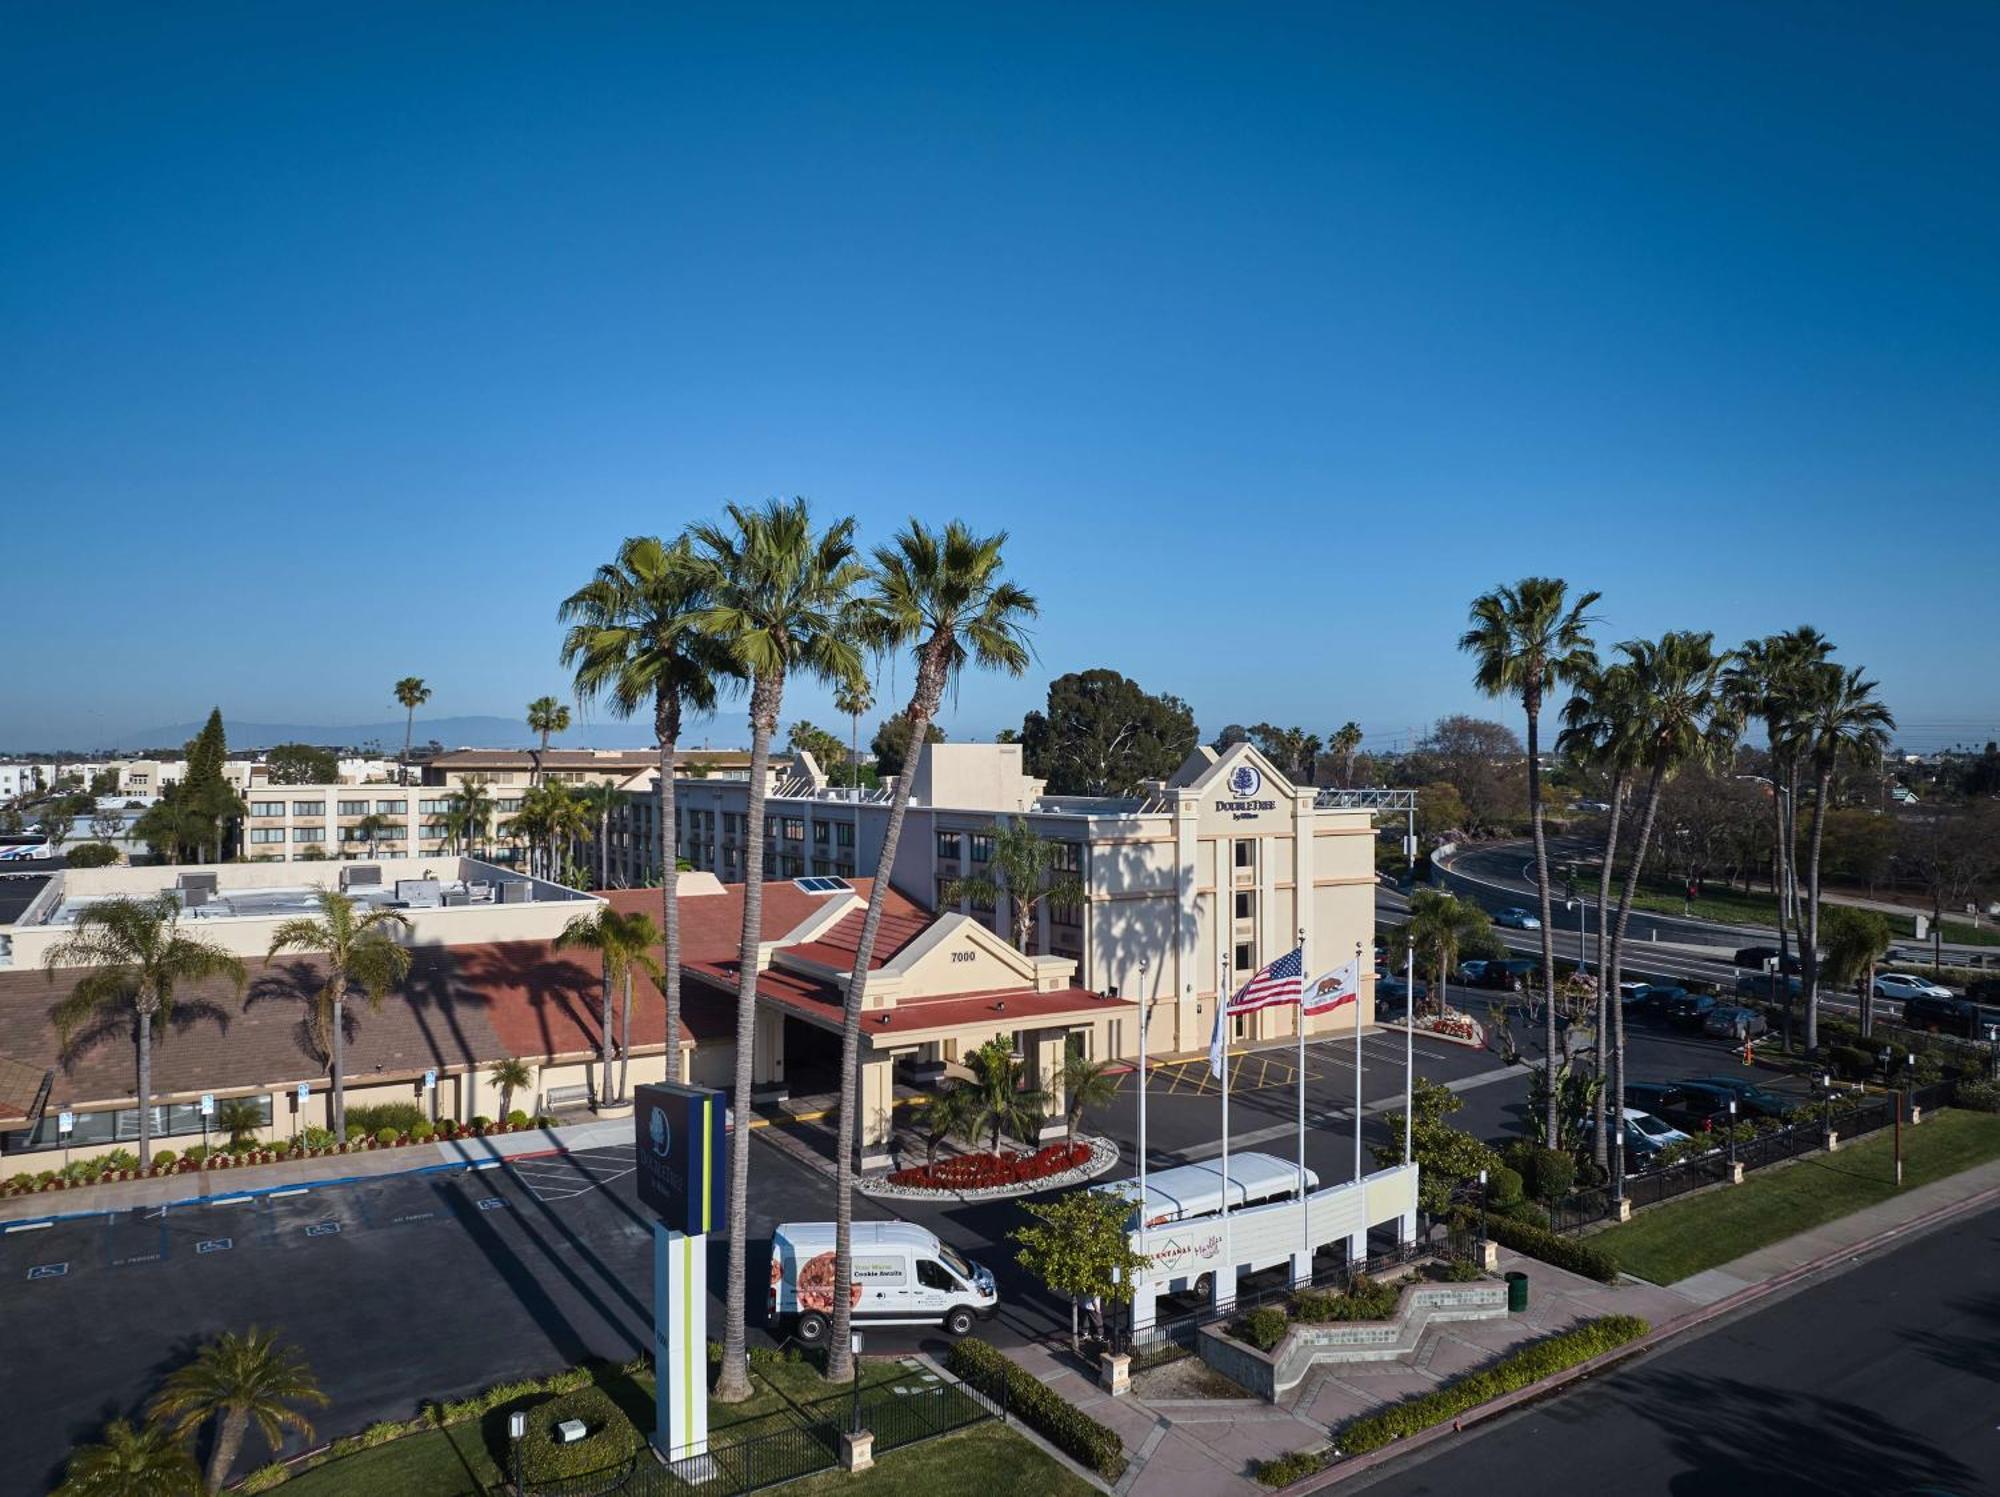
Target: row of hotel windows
[1068,857]
[361,807]
[120,1126]
[262,835]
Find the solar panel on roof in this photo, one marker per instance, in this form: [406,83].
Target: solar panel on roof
[820,884]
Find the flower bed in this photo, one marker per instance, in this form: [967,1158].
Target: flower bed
[985,1171]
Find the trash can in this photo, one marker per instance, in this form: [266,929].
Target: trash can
[1517,1292]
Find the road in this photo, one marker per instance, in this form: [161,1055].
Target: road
[1879,1380]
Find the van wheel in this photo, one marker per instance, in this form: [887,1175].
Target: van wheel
[1204,1285]
[959,1322]
[811,1330]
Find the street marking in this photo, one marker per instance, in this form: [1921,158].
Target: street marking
[415,1216]
[215,1245]
[230,1201]
[296,1190]
[322,1229]
[31,1226]
[492,1203]
[49,1271]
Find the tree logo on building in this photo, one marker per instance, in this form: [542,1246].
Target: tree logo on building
[662,1132]
[1245,781]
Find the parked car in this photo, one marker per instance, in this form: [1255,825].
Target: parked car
[1485,974]
[1693,1110]
[1649,1000]
[1756,956]
[1751,1098]
[1392,995]
[1689,1010]
[1959,1016]
[1734,1023]
[1903,986]
[1765,985]
[1646,1135]
[1516,918]
[911,1278]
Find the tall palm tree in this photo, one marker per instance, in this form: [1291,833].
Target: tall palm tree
[1686,721]
[546,716]
[370,828]
[597,801]
[471,814]
[137,957]
[1529,640]
[358,949]
[1840,721]
[147,1461]
[1600,722]
[943,596]
[1345,741]
[510,1075]
[1086,1083]
[237,1381]
[1441,926]
[412,693]
[622,942]
[779,596]
[632,644]
[1023,868]
[1001,1099]
[550,817]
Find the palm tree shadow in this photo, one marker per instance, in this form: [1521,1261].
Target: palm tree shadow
[297,983]
[551,984]
[119,1022]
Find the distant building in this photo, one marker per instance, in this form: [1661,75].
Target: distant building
[576,766]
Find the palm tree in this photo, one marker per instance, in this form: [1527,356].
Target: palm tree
[1000,1097]
[943,596]
[596,802]
[510,1075]
[412,693]
[856,701]
[137,956]
[779,602]
[1023,867]
[240,1119]
[546,716]
[632,643]
[1840,721]
[1529,640]
[471,814]
[370,828]
[1086,1083]
[550,817]
[149,1461]
[1441,926]
[946,1113]
[621,942]
[239,1380]
[1344,742]
[358,948]
[1685,720]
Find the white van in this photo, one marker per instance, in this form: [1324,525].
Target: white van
[1193,1193]
[902,1276]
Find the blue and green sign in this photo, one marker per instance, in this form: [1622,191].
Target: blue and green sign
[683,1163]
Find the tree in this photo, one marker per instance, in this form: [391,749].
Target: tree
[106,825]
[595,802]
[633,644]
[943,596]
[1855,941]
[946,1113]
[1483,761]
[1080,1246]
[240,1118]
[56,825]
[1103,735]
[471,815]
[93,855]
[1025,869]
[1293,750]
[1345,741]
[550,817]
[1002,1101]
[1841,722]
[237,1381]
[891,745]
[821,744]
[411,693]
[546,716]
[147,1461]
[371,829]
[358,949]
[510,1075]
[1526,641]
[301,764]
[1446,1158]
[779,603]
[205,795]
[1441,926]
[170,827]
[137,958]
[1440,811]
[1086,1083]
[622,942]
[1953,851]
[853,700]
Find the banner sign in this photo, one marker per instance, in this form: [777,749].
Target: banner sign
[681,1143]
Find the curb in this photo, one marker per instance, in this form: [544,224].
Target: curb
[1321,1480]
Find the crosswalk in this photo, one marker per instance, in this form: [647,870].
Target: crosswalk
[560,1177]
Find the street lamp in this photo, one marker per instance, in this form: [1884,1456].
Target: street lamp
[1582,932]
[854,1346]
[1732,1138]
[517,1426]
[1482,1205]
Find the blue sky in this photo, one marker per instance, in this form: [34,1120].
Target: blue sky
[342,341]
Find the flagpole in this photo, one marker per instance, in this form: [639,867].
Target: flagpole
[1357,1062]
[1305,1211]
[1222,996]
[1145,1018]
[1409,1042]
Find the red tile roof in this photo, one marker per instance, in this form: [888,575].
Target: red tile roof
[837,947]
[1003,1006]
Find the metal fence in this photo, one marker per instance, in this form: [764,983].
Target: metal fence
[903,1414]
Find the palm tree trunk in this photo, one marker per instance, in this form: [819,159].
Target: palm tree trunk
[339,1075]
[409,723]
[1600,1145]
[145,1087]
[733,1383]
[667,730]
[604,1037]
[1533,704]
[1809,943]
[1654,784]
[231,1425]
[922,706]
[625,1039]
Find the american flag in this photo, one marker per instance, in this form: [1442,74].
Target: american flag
[1277,984]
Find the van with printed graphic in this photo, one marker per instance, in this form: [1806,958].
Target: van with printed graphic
[902,1276]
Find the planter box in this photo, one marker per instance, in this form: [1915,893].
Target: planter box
[1273,1374]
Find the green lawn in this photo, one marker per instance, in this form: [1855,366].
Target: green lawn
[1668,1243]
[1734,907]
[988,1459]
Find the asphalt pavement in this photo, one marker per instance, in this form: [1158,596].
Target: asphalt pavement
[1879,1380]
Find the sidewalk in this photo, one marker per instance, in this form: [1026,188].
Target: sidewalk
[293,1174]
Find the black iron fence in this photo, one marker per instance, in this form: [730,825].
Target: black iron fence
[904,1413]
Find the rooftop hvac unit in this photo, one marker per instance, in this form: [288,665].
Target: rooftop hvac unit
[516,891]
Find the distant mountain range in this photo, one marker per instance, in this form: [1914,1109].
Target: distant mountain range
[452,732]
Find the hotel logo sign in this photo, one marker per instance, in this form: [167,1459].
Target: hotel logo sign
[1244,784]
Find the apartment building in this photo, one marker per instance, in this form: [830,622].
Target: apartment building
[570,766]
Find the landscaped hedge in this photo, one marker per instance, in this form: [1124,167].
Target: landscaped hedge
[1529,1365]
[1264,1327]
[1043,1409]
[611,1441]
[1979,1096]
[982,1171]
[1364,1299]
[1563,1252]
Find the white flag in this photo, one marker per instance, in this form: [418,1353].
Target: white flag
[1215,1040]
[1331,989]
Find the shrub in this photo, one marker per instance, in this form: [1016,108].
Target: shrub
[1461,1271]
[317,1138]
[982,1171]
[121,1159]
[1532,1363]
[1530,1213]
[481,1122]
[21,1184]
[1503,1187]
[375,1116]
[1563,1252]
[611,1441]
[1043,1409]
[423,1133]
[1980,1096]
[517,1119]
[1263,1327]
[1851,1062]
[1547,1175]
[1286,1469]
[389,1137]
[92,855]
[1364,1299]
[265,1478]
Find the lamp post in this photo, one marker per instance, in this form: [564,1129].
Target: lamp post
[1732,1138]
[517,1426]
[1826,1107]
[854,1346]
[1582,932]
[1482,1205]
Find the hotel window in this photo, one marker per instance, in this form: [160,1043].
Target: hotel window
[122,1126]
[822,833]
[434,807]
[843,834]
[1066,916]
[947,845]
[267,808]
[309,834]
[1068,857]
[982,847]
[354,808]
[1246,855]
[267,834]
[392,808]
[1246,904]
[794,828]
[308,808]
[1244,960]
[507,807]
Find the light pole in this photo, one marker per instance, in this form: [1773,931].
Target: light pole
[1732,1138]
[517,1426]
[1482,1205]
[1582,932]
[854,1347]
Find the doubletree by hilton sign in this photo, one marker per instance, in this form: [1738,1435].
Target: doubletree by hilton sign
[682,1147]
[1243,785]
